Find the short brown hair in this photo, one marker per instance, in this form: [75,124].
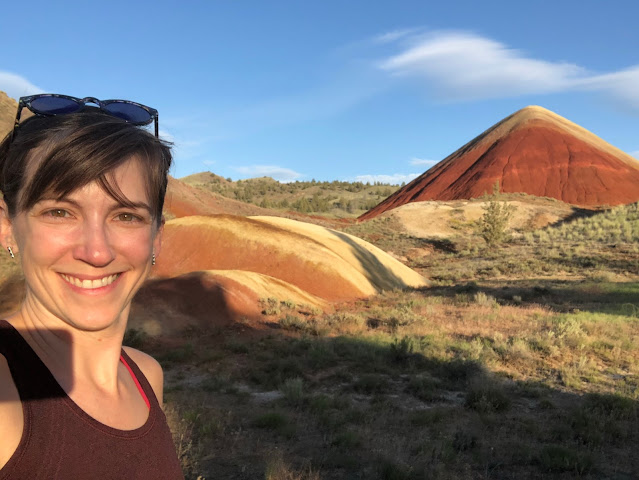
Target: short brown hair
[57,155]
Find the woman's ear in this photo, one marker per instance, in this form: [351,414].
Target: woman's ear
[7,238]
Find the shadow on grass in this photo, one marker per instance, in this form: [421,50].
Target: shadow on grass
[594,262]
[616,298]
[359,407]
[576,214]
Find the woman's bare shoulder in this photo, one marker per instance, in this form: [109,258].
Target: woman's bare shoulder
[150,368]
[11,417]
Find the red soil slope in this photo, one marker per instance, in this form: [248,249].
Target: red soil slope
[533,151]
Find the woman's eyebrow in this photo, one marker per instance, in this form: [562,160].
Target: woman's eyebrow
[140,205]
[52,198]
[116,203]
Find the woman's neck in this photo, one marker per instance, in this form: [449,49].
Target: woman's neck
[73,356]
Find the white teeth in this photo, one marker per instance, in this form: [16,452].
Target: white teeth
[90,284]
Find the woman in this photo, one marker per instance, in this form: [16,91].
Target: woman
[83,194]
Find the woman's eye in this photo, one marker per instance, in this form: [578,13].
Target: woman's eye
[57,213]
[128,217]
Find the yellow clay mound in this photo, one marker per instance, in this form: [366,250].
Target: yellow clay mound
[383,271]
[325,263]
[435,219]
[265,287]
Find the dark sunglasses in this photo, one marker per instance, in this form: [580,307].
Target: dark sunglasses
[50,104]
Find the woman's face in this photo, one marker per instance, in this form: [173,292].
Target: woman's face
[85,256]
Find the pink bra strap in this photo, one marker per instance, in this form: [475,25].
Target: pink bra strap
[137,384]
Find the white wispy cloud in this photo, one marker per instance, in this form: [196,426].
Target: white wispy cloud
[466,66]
[394,35]
[280,174]
[623,85]
[423,161]
[635,154]
[16,86]
[394,179]
[208,162]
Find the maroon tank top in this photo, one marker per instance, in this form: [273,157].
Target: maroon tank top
[60,441]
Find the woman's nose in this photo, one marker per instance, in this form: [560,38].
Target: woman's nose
[94,246]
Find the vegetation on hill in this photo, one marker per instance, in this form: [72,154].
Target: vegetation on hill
[493,225]
[337,198]
[521,361]
[616,225]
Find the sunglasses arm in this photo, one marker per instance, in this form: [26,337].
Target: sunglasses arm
[17,122]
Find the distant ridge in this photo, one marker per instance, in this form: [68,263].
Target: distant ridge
[534,151]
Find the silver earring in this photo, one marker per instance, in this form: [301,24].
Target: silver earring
[11,252]
[152,259]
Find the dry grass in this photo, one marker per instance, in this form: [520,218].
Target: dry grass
[277,469]
[451,382]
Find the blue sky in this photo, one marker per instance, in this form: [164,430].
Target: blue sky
[332,90]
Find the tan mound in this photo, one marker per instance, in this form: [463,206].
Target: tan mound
[225,242]
[209,299]
[533,151]
[448,219]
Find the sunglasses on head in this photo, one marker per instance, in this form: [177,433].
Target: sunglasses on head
[50,104]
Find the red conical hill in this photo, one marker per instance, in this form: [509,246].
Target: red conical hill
[533,151]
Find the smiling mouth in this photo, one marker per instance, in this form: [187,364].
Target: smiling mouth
[90,284]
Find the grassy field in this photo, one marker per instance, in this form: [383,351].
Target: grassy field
[520,361]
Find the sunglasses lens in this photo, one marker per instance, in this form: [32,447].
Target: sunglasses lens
[54,105]
[130,112]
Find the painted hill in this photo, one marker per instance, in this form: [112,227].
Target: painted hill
[326,263]
[533,151]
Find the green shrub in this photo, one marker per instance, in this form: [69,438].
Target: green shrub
[293,390]
[493,224]
[487,397]
[402,350]
[557,459]
[371,383]
[271,421]
[483,300]
[348,439]
[392,471]
[293,322]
